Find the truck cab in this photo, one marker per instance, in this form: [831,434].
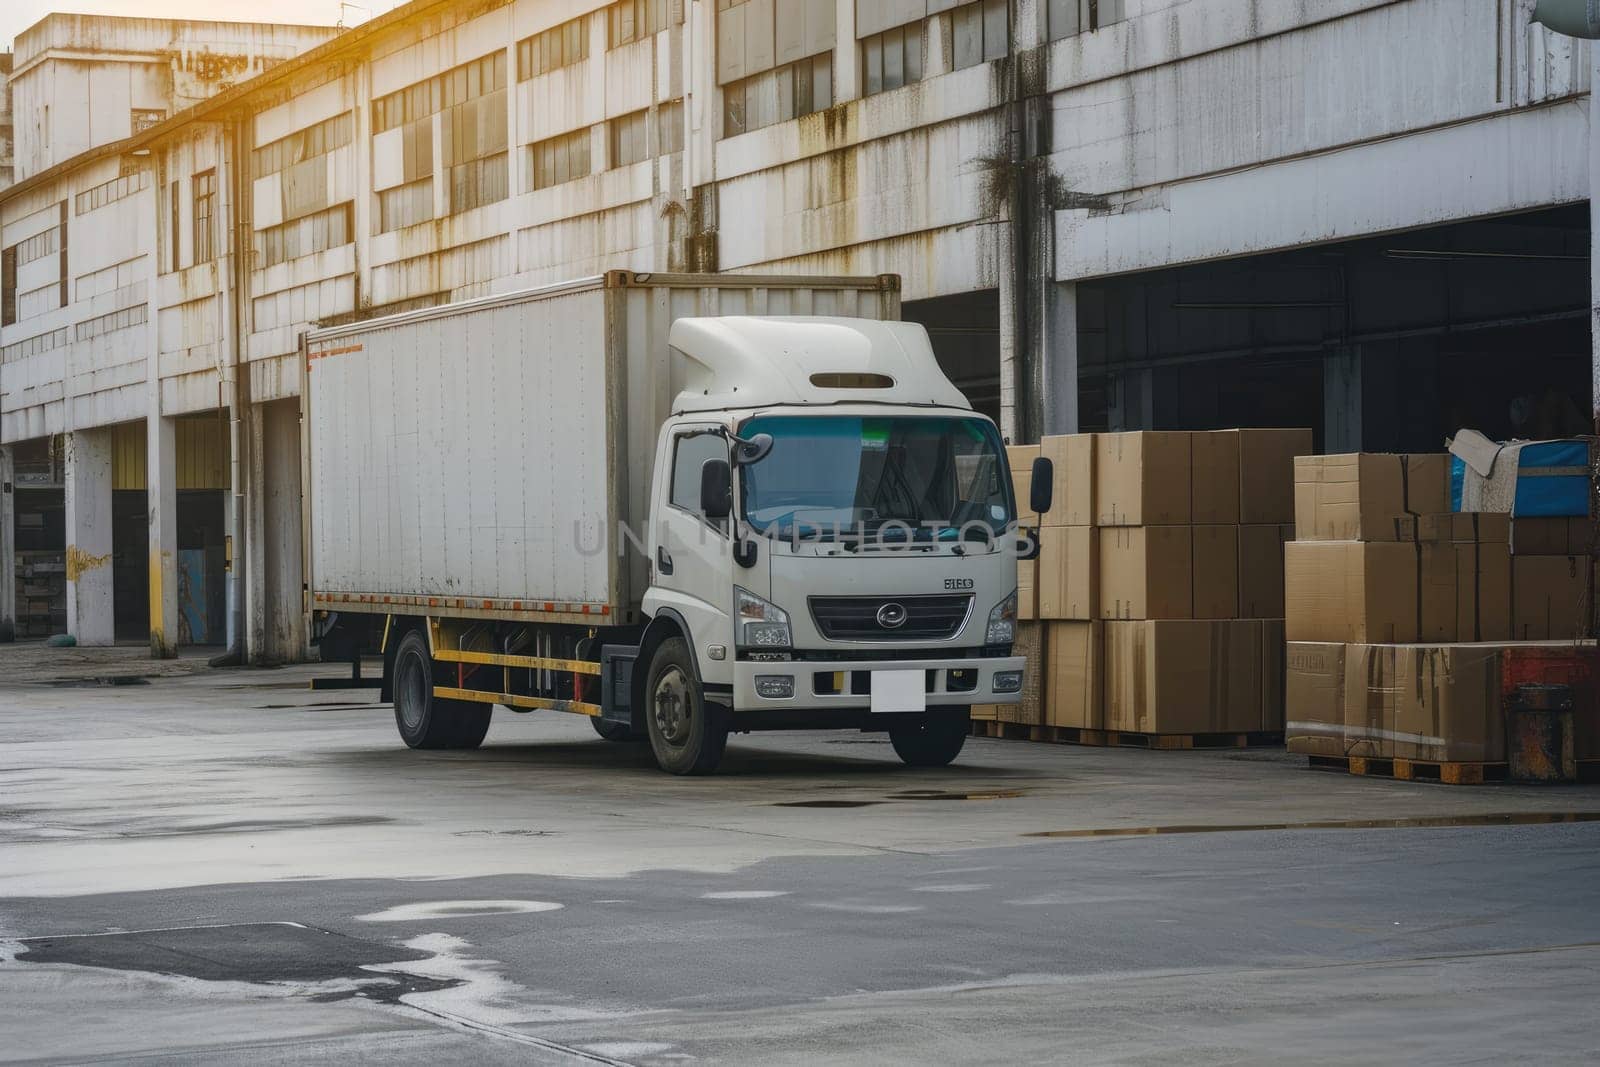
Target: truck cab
[832,543]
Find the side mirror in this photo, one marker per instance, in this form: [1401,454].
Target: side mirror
[1044,485]
[752,451]
[716,489]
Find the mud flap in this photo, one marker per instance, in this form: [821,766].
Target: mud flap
[616,684]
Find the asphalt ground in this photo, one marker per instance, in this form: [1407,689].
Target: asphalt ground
[223,866]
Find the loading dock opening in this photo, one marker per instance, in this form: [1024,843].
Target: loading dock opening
[1386,343]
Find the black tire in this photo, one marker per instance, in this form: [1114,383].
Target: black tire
[931,740]
[612,731]
[424,720]
[687,735]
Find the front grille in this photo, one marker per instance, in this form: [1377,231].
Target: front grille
[855,618]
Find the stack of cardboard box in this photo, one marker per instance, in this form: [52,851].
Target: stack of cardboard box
[1399,612]
[1159,582]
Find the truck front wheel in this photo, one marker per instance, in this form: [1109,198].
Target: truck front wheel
[424,720]
[931,740]
[687,735]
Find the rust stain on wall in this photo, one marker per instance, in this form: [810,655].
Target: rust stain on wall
[80,562]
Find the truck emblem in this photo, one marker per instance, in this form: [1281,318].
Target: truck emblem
[891,616]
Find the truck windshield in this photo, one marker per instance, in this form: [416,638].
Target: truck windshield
[921,478]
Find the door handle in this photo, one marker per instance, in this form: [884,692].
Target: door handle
[663,560]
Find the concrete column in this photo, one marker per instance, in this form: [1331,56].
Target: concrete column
[275,618]
[1133,401]
[1341,401]
[846,57]
[8,548]
[1058,356]
[1011,415]
[161,487]
[91,616]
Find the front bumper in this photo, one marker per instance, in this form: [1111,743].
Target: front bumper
[827,685]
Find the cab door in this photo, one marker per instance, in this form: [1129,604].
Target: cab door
[691,557]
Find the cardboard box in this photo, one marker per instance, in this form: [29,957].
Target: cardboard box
[1073,694]
[1068,561]
[1214,477]
[1027,589]
[1146,572]
[1448,704]
[1073,458]
[1550,598]
[1364,591]
[1371,699]
[1367,496]
[1183,676]
[1260,569]
[1563,536]
[1314,698]
[985,712]
[1465,528]
[1436,592]
[1215,567]
[1021,457]
[1141,478]
[1266,473]
[1032,640]
[1483,592]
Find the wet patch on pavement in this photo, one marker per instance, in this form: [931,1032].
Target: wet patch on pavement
[278,953]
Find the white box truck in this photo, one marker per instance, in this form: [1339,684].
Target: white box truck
[682,505]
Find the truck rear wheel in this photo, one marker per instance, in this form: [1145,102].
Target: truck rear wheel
[424,720]
[687,735]
[931,740]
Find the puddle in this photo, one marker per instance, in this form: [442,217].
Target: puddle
[935,794]
[1514,818]
[325,706]
[504,833]
[247,952]
[102,681]
[827,803]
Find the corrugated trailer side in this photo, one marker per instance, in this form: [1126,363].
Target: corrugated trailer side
[476,459]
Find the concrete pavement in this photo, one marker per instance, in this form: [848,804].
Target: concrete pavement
[304,887]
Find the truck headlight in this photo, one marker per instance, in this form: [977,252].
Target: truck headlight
[1003,622]
[759,623]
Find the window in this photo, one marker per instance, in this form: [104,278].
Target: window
[1067,18]
[631,20]
[980,32]
[205,205]
[777,95]
[34,346]
[558,47]
[669,124]
[405,205]
[8,286]
[478,182]
[44,243]
[142,118]
[689,456]
[111,191]
[629,140]
[174,219]
[892,58]
[302,237]
[297,147]
[478,78]
[116,320]
[559,159]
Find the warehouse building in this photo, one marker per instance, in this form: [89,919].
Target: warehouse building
[1365,216]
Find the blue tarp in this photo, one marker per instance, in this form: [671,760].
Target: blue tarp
[1541,489]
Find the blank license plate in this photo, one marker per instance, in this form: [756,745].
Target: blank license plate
[898,691]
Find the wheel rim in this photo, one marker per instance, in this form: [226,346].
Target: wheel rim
[670,706]
[413,692]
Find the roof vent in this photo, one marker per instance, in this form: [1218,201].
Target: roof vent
[843,380]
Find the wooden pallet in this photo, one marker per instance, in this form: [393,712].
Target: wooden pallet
[1072,735]
[1409,770]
